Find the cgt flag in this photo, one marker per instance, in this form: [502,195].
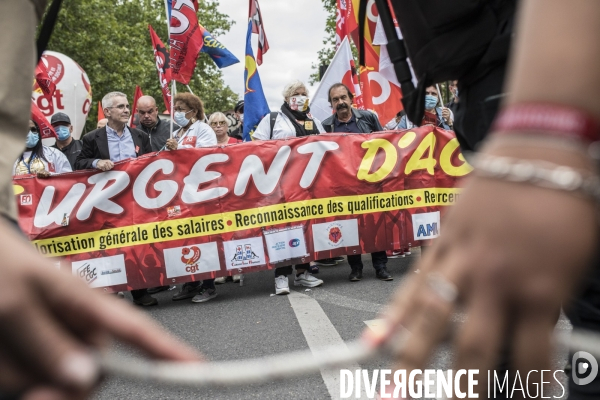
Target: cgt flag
[161,58]
[220,55]
[43,81]
[46,130]
[255,103]
[185,39]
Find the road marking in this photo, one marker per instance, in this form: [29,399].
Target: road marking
[320,333]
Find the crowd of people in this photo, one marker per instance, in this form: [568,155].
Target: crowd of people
[115,140]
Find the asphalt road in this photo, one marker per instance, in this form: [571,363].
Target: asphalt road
[247,322]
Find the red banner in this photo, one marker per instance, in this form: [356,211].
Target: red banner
[198,213]
[185,40]
[161,57]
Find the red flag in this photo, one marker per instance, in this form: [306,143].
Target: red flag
[100,111]
[257,27]
[185,40]
[43,81]
[46,130]
[136,96]
[161,58]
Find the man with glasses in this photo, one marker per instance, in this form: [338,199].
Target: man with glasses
[116,141]
[158,130]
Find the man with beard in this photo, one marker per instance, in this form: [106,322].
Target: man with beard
[350,120]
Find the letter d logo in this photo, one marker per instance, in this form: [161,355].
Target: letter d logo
[582,367]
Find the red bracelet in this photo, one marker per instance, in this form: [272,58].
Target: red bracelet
[548,119]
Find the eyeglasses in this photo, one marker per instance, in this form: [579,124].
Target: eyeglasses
[218,123]
[121,106]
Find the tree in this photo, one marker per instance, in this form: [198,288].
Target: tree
[326,54]
[110,40]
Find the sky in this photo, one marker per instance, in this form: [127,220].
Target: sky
[295,31]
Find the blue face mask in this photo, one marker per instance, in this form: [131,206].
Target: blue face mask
[430,101]
[32,140]
[62,132]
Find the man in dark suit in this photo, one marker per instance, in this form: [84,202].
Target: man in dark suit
[115,142]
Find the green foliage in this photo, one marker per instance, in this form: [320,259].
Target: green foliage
[111,42]
[326,54]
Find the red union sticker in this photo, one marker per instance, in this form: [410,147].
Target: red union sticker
[26,199]
[173,211]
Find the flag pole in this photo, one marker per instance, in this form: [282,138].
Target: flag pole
[172,80]
[188,88]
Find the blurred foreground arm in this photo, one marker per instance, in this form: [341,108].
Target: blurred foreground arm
[513,251]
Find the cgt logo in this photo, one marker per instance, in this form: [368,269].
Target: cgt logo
[191,263]
[294,243]
[585,368]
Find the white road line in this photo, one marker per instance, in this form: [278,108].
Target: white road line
[319,333]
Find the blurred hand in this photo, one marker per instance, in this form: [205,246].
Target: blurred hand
[515,252]
[172,144]
[105,165]
[446,115]
[43,174]
[50,322]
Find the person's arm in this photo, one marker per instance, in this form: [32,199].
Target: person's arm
[86,159]
[263,130]
[503,245]
[206,136]
[61,162]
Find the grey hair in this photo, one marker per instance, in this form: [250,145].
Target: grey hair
[291,87]
[107,100]
[214,116]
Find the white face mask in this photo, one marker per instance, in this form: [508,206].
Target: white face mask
[180,118]
[299,103]
[241,118]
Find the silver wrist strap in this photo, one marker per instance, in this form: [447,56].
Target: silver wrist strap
[539,173]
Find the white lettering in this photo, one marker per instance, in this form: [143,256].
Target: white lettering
[458,392]
[253,167]
[199,175]
[346,383]
[370,386]
[318,150]
[100,195]
[384,383]
[444,382]
[412,383]
[428,382]
[473,383]
[167,188]
[400,384]
[44,217]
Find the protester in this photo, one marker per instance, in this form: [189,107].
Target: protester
[189,113]
[393,124]
[350,120]
[238,131]
[64,142]
[502,258]
[453,103]
[157,130]
[115,142]
[436,116]
[52,325]
[293,119]
[38,159]
[102,123]
[218,123]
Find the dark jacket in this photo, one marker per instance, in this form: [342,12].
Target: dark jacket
[95,147]
[366,121]
[71,151]
[159,134]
